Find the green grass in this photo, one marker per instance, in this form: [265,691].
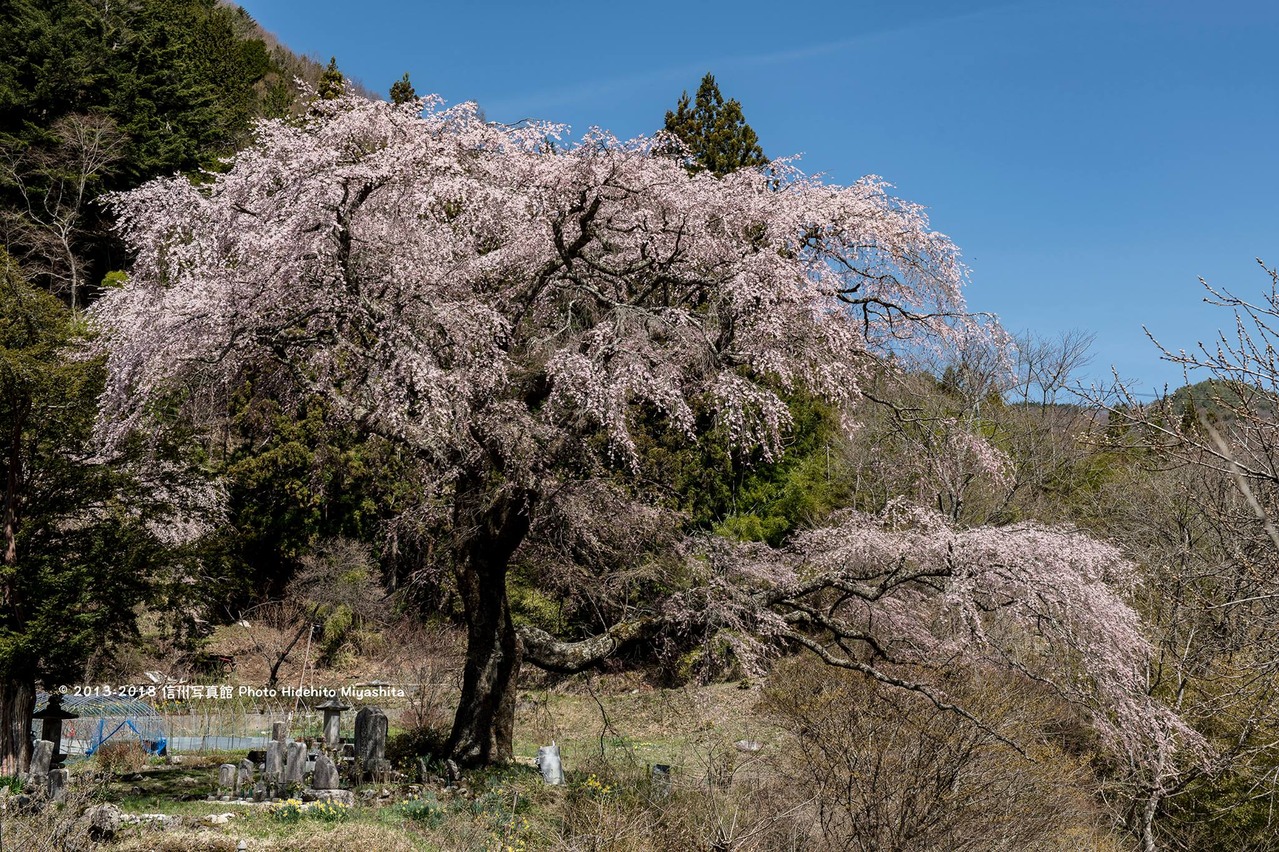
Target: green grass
[677,727]
[608,743]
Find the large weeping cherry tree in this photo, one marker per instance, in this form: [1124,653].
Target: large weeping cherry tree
[512,310]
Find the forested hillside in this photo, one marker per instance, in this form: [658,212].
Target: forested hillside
[94,99]
[293,356]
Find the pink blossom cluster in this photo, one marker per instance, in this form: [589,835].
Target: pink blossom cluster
[469,287]
[908,588]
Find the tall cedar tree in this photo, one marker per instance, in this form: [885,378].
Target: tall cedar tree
[76,551]
[332,82]
[715,131]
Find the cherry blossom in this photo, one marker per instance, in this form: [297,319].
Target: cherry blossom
[512,308]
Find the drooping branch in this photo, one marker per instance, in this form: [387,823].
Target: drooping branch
[878,674]
[906,590]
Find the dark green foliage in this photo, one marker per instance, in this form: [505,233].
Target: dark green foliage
[715,131]
[1218,402]
[183,80]
[332,82]
[771,501]
[402,90]
[296,479]
[77,552]
[405,747]
[752,499]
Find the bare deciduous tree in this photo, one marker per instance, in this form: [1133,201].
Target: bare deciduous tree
[55,184]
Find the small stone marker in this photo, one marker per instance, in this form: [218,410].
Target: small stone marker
[295,765]
[661,780]
[370,736]
[58,785]
[244,777]
[226,777]
[325,776]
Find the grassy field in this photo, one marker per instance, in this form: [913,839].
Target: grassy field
[744,775]
[723,793]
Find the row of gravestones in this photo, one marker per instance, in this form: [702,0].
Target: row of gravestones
[43,776]
[284,765]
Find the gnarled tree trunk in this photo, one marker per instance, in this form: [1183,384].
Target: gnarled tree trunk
[490,527]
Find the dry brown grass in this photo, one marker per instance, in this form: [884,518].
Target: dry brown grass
[614,727]
[349,837]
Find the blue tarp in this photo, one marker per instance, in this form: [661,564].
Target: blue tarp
[104,719]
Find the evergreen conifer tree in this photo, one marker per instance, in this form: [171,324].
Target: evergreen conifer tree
[715,131]
[402,90]
[332,83]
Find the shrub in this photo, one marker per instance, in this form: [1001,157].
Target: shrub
[874,767]
[121,757]
[405,748]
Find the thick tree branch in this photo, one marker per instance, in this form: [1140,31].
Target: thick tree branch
[545,651]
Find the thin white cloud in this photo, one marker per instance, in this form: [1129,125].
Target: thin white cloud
[536,103]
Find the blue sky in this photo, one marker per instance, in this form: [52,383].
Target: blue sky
[1092,159]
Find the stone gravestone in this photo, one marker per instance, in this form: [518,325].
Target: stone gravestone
[333,709]
[273,764]
[278,732]
[244,777]
[295,765]
[370,738]
[41,760]
[548,761]
[326,774]
[226,777]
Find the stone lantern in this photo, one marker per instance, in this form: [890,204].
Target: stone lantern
[332,721]
[51,729]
